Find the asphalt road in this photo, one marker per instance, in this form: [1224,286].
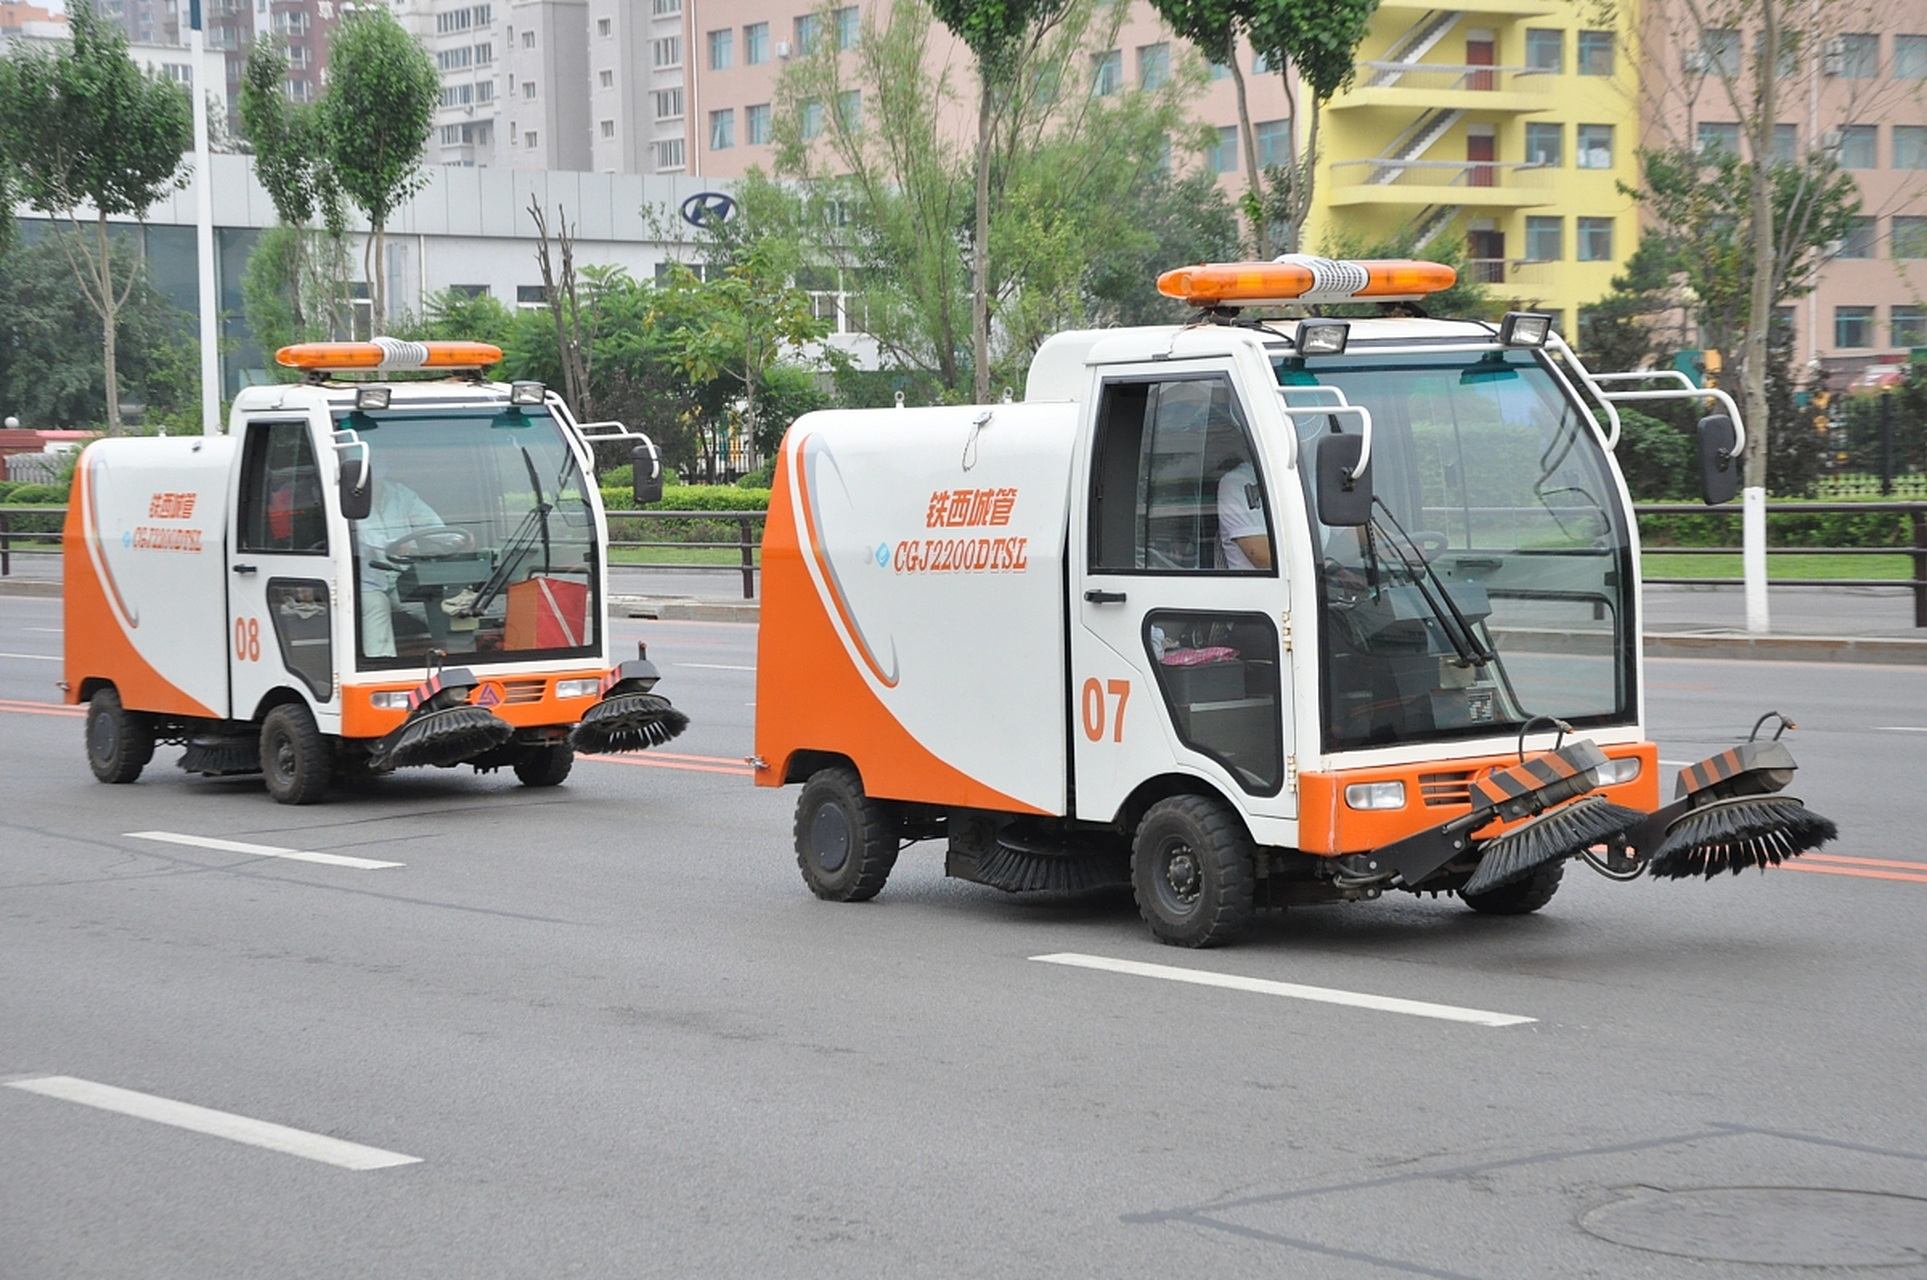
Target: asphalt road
[619,1038]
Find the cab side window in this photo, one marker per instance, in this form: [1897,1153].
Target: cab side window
[1174,485]
[281,503]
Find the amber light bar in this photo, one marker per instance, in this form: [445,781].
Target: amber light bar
[1302,278]
[389,353]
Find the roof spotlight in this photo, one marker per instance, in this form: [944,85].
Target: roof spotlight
[1525,328]
[527,392]
[1322,337]
[367,398]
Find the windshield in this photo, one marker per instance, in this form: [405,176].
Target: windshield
[480,540]
[1495,581]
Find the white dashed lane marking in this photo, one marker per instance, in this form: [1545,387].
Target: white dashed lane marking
[262,850]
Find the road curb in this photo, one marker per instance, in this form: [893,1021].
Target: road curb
[685,609]
[28,587]
[1834,649]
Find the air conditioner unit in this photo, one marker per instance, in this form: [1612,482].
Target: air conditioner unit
[1832,139]
[1833,57]
[1696,62]
[782,48]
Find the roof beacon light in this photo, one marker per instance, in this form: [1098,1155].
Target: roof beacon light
[1524,328]
[1298,277]
[383,354]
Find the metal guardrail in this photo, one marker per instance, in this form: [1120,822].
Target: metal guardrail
[1915,511]
[748,543]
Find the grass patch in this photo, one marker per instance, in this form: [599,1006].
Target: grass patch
[1780,568]
[721,557]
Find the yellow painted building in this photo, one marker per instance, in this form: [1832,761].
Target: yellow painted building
[1507,124]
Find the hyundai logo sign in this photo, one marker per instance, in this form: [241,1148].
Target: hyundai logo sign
[707,206]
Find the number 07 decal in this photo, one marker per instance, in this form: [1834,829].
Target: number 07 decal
[1094,708]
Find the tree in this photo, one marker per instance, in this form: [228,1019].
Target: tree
[1317,39]
[1621,331]
[1000,35]
[1212,25]
[83,125]
[375,118]
[290,158]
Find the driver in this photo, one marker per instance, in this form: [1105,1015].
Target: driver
[396,511]
[1242,535]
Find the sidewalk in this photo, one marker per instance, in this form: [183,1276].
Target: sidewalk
[1809,624]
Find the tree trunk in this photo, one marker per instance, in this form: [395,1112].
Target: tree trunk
[1765,252]
[1304,175]
[109,313]
[378,279]
[980,250]
[1260,233]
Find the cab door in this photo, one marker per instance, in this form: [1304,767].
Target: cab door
[1176,597]
[281,602]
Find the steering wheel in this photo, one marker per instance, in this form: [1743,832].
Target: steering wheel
[431,544]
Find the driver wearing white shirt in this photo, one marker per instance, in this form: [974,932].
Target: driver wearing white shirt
[395,512]
[1242,535]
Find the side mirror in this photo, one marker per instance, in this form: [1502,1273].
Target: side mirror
[647,460]
[1342,501]
[1719,469]
[357,492]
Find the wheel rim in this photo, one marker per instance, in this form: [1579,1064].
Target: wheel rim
[102,737]
[281,754]
[1178,877]
[830,837]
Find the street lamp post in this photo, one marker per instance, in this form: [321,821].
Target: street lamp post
[204,233]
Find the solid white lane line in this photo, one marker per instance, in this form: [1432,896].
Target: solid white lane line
[1677,764]
[1899,728]
[1292,990]
[221,1124]
[35,657]
[712,666]
[262,850]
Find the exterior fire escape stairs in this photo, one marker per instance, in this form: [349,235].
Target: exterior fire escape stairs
[1418,138]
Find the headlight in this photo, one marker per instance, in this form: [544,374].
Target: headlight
[1375,795]
[392,700]
[1321,337]
[1614,772]
[525,393]
[578,688]
[1525,328]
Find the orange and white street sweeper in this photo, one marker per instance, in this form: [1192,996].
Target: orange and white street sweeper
[1246,613]
[357,576]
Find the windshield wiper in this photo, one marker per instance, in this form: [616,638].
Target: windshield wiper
[1458,632]
[534,524]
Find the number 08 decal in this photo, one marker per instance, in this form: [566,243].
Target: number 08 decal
[1094,695]
[247,639]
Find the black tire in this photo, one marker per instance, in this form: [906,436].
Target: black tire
[1191,867]
[845,845]
[297,761]
[545,766]
[119,742]
[1522,896]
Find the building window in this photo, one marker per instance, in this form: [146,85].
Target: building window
[608,128]
[669,104]
[1718,137]
[1786,144]
[805,35]
[722,49]
[1273,140]
[1595,239]
[849,111]
[1859,56]
[528,39]
[1260,64]
[1153,66]
[484,91]
[667,8]
[1545,239]
[1544,143]
[606,79]
[1719,53]
[722,129]
[1910,57]
[756,125]
[1907,326]
[1219,71]
[666,52]
[1595,146]
[1910,146]
[848,26]
[602,26]
[528,138]
[1595,53]
[1545,49]
[1853,326]
[1858,143]
[1858,242]
[669,154]
[812,117]
[484,53]
[1222,155]
[528,89]
[756,44]
[1107,76]
[1909,237]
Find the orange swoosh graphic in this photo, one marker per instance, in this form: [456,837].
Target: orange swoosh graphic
[823,564]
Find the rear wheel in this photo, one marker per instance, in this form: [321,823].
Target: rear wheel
[296,760]
[119,742]
[1522,896]
[1191,866]
[545,766]
[845,846]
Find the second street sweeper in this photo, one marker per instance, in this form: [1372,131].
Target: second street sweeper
[1246,614]
[359,575]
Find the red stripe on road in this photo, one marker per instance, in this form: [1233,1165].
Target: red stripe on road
[1863,872]
[40,708]
[1920,867]
[739,770]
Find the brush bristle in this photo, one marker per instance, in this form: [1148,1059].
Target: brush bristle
[1561,833]
[1732,835]
[627,722]
[216,756]
[446,736]
[1020,870]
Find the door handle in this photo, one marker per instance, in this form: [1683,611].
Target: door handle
[1104,597]
[244,568]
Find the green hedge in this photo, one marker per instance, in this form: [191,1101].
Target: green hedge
[24,491]
[693,497]
[1821,529]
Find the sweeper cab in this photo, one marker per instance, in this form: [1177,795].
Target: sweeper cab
[1246,613]
[359,575]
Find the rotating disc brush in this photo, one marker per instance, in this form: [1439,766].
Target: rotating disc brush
[1732,835]
[1555,834]
[442,736]
[627,722]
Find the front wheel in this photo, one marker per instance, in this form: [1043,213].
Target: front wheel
[545,766]
[296,760]
[1522,896]
[119,742]
[1191,867]
[845,846]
